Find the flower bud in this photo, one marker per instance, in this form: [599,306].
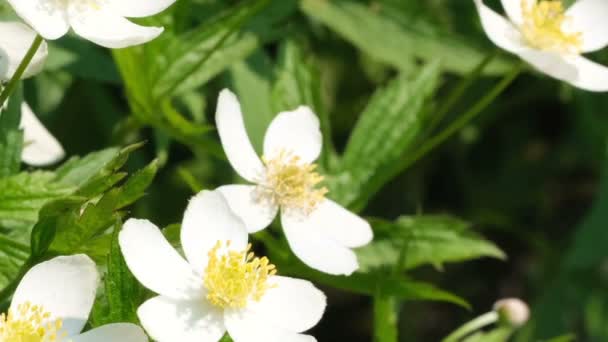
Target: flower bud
[513,311]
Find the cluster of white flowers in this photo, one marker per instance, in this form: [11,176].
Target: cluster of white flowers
[221,286]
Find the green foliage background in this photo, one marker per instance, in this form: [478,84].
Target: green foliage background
[513,204]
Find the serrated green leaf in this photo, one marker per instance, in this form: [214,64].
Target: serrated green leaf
[370,29]
[12,255]
[389,125]
[135,187]
[414,241]
[23,195]
[122,290]
[78,171]
[194,59]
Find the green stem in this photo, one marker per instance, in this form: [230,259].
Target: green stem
[472,326]
[14,81]
[463,120]
[459,90]
[386,318]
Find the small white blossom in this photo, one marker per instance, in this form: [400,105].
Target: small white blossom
[551,38]
[101,21]
[319,231]
[52,304]
[221,287]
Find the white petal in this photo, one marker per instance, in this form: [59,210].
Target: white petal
[591,76]
[500,31]
[40,147]
[293,305]
[64,286]
[250,328]
[207,220]
[139,8]
[256,215]
[107,29]
[123,332]
[15,40]
[513,10]
[576,70]
[316,248]
[236,143]
[589,18]
[48,18]
[334,221]
[155,263]
[167,320]
[297,132]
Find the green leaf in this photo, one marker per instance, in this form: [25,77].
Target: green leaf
[135,187]
[78,171]
[13,254]
[411,242]
[203,53]
[369,29]
[23,195]
[390,124]
[122,290]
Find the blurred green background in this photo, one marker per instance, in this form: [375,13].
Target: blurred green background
[529,173]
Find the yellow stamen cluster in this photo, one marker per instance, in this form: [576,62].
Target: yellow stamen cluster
[233,278]
[291,183]
[28,323]
[543,27]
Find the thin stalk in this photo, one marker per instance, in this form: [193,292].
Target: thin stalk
[464,119]
[14,81]
[460,90]
[472,326]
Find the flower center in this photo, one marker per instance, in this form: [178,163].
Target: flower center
[291,183]
[233,278]
[543,27]
[29,323]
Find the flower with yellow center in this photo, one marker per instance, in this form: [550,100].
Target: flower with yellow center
[552,38]
[101,21]
[320,232]
[52,304]
[222,287]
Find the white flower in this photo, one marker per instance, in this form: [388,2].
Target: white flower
[222,287]
[319,231]
[52,304]
[100,21]
[551,38]
[40,147]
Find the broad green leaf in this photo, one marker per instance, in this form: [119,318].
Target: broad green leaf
[370,30]
[12,255]
[23,195]
[395,116]
[122,291]
[78,171]
[410,242]
[203,53]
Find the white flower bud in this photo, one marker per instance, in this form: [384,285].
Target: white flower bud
[513,310]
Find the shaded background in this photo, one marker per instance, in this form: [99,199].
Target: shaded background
[528,173]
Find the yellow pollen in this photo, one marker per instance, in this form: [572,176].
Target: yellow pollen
[543,27]
[29,323]
[233,278]
[291,183]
